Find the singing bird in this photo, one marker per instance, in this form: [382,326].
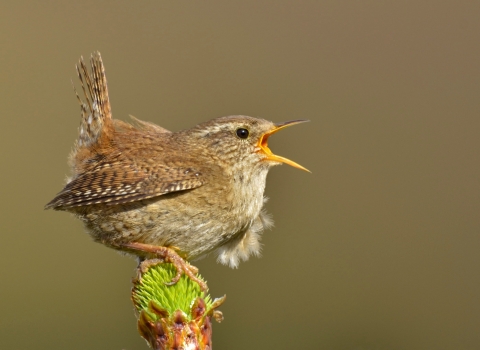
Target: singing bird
[168,196]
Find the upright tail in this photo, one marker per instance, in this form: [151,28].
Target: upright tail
[96,124]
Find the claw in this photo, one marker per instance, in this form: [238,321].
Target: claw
[169,255]
[146,264]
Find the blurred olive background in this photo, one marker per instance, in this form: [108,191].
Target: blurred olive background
[378,248]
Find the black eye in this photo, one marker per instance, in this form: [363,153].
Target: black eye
[242,133]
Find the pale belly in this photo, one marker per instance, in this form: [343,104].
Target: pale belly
[188,221]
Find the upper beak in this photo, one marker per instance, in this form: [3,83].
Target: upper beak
[263,144]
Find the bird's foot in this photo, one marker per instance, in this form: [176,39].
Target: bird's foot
[166,255]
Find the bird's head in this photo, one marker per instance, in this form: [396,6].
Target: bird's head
[242,141]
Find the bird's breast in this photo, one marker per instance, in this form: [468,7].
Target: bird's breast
[246,196]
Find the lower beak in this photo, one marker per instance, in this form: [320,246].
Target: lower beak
[263,144]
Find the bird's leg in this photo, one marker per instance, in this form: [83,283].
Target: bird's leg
[166,255]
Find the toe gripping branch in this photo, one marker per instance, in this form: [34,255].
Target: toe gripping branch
[166,255]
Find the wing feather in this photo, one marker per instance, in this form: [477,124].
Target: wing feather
[115,185]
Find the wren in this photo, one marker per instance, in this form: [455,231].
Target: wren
[167,196]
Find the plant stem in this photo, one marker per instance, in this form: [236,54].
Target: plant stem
[173,316]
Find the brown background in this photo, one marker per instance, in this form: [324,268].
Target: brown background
[378,248]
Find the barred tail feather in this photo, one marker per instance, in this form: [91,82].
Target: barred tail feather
[96,123]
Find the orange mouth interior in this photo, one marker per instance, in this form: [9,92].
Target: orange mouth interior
[263,144]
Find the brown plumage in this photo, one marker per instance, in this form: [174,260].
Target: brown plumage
[106,157]
[140,187]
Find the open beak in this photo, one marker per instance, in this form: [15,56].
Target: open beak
[263,144]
